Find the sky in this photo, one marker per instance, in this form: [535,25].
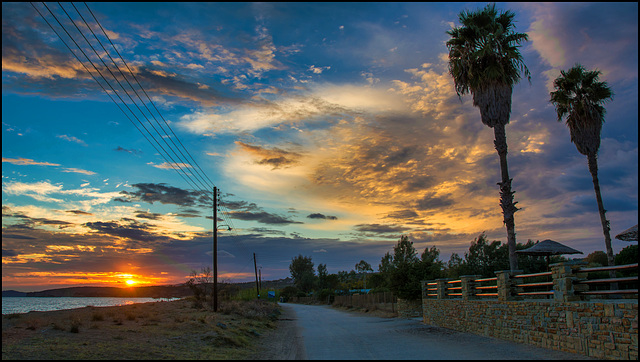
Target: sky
[330,129]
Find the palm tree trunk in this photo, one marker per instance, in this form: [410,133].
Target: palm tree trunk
[593,168]
[506,195]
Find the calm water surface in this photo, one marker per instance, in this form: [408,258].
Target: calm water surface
[27,304]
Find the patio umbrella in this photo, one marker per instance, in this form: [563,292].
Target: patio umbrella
[630,234]
[548,248]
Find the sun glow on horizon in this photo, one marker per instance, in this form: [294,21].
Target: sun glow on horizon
[72,279]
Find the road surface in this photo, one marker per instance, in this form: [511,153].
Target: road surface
[322,332]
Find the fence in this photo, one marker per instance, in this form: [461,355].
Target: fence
[573,308]
[566,282]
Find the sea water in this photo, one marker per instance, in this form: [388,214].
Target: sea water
[12,305]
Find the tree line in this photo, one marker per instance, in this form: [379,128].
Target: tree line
[402,270]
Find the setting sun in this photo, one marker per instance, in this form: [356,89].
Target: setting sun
[131,282]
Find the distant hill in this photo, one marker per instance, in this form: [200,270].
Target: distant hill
[13,293]
[158,291]
[267,284]
[161,291]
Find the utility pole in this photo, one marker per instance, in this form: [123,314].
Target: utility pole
[260,278]
[255,267]
[214,300]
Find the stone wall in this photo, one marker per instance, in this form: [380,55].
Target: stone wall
[409,308]
[605,330]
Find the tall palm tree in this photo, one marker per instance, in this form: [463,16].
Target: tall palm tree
[579,96]
[484,60]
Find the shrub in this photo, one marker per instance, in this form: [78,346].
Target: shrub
[75,325]
[288,292]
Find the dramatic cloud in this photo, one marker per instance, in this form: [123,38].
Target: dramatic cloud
[78,212]
[430,202]
[378,228]
[128,229]
[561,36]
[275,157]
[150,192]
[261,217]
[321,216]
[402,214]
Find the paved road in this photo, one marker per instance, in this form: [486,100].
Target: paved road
[327,333]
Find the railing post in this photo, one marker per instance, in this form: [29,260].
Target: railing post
[564,275]
[442,287]
[504,283]
[467,282]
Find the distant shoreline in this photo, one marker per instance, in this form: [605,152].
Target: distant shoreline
[164,291]
[153,291]
[22,305]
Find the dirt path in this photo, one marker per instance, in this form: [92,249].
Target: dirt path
[284,342]
[321,332]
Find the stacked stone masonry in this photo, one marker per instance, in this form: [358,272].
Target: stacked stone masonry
[409,309]
[607,330]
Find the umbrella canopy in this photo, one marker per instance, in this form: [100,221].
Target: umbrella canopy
[548,247]
[630,234]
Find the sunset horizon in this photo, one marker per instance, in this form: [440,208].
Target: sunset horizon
[330,130]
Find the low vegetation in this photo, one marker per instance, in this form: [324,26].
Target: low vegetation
[160,330]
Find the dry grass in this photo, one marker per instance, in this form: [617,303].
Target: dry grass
[160,330]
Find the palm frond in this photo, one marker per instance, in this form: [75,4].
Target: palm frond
[579,95]
[485,49]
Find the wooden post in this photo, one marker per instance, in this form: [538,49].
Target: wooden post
[214,299]
[255,267]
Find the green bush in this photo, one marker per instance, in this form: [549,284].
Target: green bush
[288,292]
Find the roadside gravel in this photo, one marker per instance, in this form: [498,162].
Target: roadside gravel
[282,343]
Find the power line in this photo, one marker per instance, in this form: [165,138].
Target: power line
[94,78]
[150,100]
[121,86]
[225,215]
[184,174]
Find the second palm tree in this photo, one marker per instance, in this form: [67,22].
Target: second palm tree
[579,96]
